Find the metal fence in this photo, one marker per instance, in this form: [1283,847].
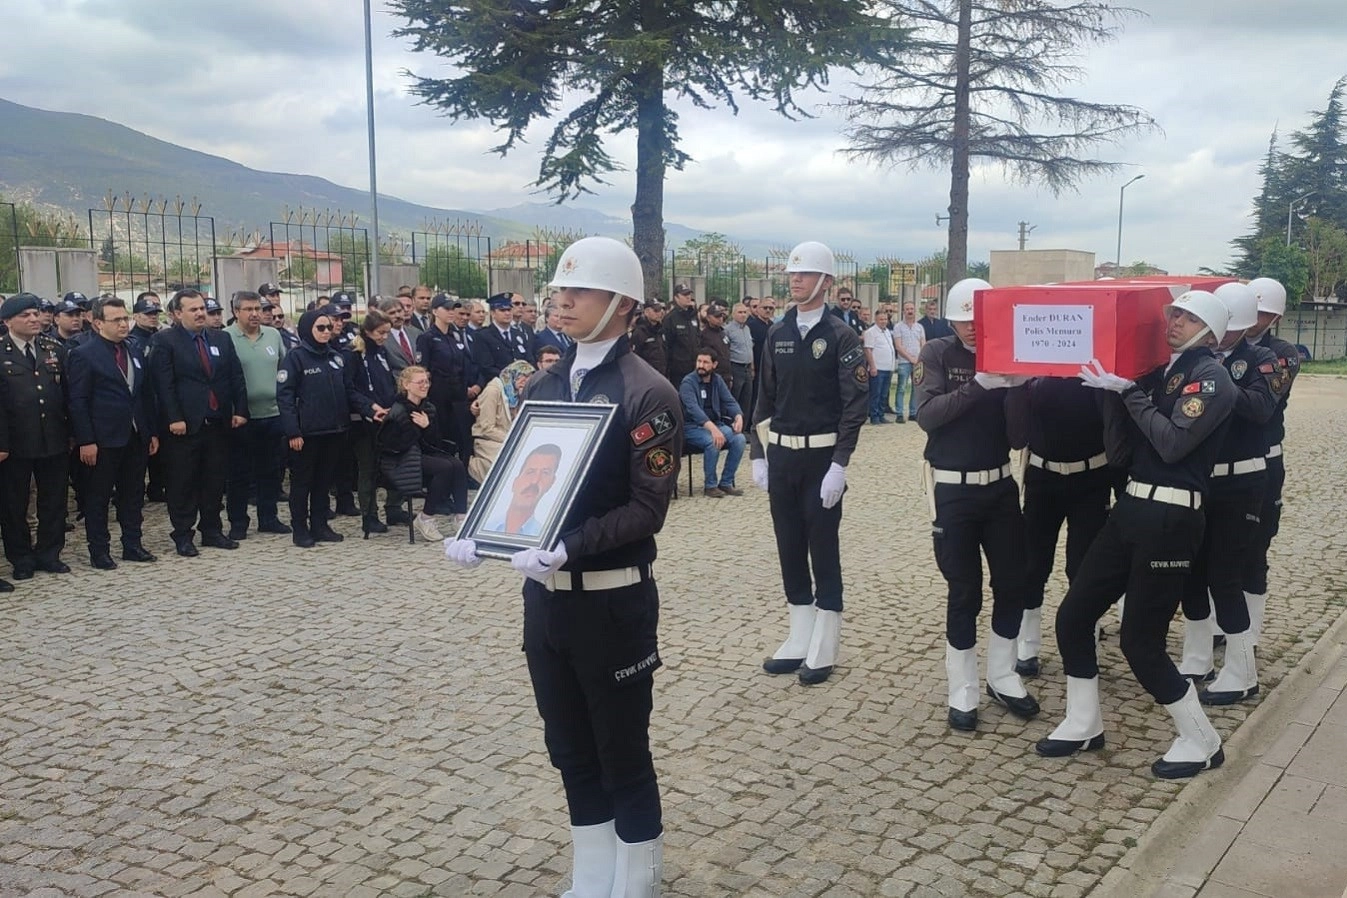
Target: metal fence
[10,262]
[454,257]
[319,253]
[151,244]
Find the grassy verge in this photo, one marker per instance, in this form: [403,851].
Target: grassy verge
[1336,366]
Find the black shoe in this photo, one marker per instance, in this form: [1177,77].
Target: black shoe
[238,532]
[23,573]
[967,721]
[136,553]
[103,561]
[1207,697]
[54,567]
[346,507]
[302,539]
[1177,770]
[218,541]
[1061,748]
[1199,679]
[395,516]
[6,586]
[371,524]
[812,676]
[1027,667]
[782,665]
[326,534]
[273,527]
[1026,707]
[187,549]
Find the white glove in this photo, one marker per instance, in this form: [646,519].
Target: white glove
[462,552]
[760,473]
[1094,375]
[834,483]
[537,564]
[999,381]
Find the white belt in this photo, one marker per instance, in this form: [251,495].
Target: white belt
[593,581]
[1068,467]
[1235,468]
[972,478]
[1168,494]
[1274,451]
[810,441]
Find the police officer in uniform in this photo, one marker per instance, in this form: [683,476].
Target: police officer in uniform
[647,336]
[976,508]
[1170,439]
[1067,480]
[682,335]
[1271,306]
[591,605]
[1232,505]
[445,352]
[813,390]
[146,311]
[34,439]
[496,345]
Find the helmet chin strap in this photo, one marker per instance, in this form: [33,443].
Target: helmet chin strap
[1193,340]
[603,322]
[818,284]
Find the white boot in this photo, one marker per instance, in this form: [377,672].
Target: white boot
[593,858]
[1030,642]
[1257,606]
[961,672]
[638,868]
[1215,625]
[1198,746]
[823,646]
[793,650]
[1004,685]
[1083,728]
[1238,678]
[1197,663]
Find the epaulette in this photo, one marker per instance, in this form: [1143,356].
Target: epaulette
[47,342]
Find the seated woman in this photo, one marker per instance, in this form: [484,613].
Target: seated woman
[496,409]
[412,423]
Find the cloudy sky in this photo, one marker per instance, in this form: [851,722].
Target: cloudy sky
[280,86]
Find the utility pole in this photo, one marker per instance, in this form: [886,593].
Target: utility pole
[1025,230]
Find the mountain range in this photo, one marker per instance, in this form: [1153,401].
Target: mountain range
[74,162]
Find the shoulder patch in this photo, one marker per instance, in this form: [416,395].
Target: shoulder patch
[918,373]
[1238,368]
[854,357]
[861,373]
[1175,382]
[282,376]
[659,461]
[1199,386]
[1193,407]
[1267,367]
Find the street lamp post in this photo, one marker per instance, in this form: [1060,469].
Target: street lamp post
[373,176]
[1117,259]
[1290,209]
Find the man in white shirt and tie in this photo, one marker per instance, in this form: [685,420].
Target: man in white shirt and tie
[401,339]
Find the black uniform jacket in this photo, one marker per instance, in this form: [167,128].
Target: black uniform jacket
[33,403]
[315,391]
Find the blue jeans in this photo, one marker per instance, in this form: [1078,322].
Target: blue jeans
[904,373]
[879,391]
[700,438]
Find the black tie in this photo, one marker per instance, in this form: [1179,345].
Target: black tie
[28,354]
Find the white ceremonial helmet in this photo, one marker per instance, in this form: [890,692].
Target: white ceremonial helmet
[601,263]
[1271,295]
[1207,308]
[811,256]
[959,302]
[1242,303]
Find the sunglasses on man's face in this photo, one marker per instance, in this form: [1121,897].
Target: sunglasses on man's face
[322,327]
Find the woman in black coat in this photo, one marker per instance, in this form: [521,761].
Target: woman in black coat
[375,379]
[412,421]
[316,393]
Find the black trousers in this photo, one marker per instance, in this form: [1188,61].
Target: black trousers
[1145,550]
[742,391]
[195,467]
[256,458]
[1269,522]
[346,475]
[446,484]
[970,520]
[16,477]
[1078,500]
[460,429]
[311,472]
[806,532]
[591,658]
[120,471]
[1232,527]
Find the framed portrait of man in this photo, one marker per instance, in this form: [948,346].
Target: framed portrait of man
[542,464]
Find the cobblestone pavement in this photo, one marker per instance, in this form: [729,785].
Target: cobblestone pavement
[356,719]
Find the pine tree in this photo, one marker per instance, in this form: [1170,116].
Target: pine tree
[1267,220]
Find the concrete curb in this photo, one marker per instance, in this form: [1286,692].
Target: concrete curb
[1191,836]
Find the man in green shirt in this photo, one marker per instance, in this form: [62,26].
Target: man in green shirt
[257,449]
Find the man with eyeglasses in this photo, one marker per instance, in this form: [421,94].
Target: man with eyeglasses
[498,344]
[758,325]
[113,424]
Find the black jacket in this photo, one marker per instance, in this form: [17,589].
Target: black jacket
[104,409]
[374,377]
[315,387]
[182,388]
[491,353]
[399,432]
[32,403]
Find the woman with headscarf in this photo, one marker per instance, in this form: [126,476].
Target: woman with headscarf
[497,407]
[315,390]
[413,422]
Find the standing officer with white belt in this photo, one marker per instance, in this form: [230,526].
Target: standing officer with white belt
[813,386]
[975,508]
[1168,425]
[1271,306]
[1067,481]
[591,605]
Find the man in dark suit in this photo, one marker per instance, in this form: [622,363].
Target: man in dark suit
[401,342]
[34,439]
[494,346]
[421,312]
[112,420]
[199,394]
